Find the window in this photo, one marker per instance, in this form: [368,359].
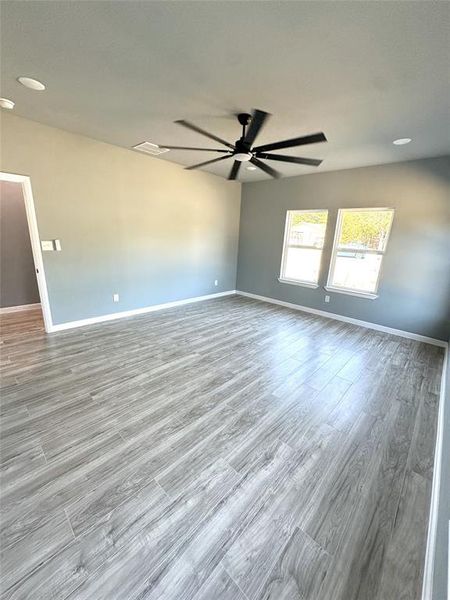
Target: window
[303,242]
[359,246]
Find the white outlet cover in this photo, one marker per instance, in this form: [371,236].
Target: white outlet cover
[216,282]
[327,298]
[115,297]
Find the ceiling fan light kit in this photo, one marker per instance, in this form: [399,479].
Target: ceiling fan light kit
[244,151]
[243,156]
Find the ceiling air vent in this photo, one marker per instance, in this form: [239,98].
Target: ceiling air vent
[149,148]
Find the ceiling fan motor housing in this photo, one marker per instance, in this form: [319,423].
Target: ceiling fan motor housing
[241,146]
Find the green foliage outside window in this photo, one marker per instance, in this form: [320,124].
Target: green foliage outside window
[368,228]
[365,228]
[311,217]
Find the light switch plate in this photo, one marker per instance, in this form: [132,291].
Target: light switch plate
[47,245]
[57,245]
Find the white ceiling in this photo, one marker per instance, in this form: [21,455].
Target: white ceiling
[365,73]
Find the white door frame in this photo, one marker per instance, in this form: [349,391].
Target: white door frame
[35,243]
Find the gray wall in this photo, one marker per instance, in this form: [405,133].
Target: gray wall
[128,223]
[17,277]
[414,290]
[441,564]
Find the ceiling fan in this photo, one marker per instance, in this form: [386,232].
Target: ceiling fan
[244,151]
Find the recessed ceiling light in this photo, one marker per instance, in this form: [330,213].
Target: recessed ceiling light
[251,168]
[5,103]
[31,83]
[402,141]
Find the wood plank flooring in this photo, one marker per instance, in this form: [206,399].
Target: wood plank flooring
[224,450]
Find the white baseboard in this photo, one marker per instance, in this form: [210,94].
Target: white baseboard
[430,553]
[136,311]
[9,309]
[330,315]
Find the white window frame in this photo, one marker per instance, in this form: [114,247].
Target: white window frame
[337,234]
[300,282]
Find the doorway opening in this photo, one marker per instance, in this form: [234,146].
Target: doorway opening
[23,289]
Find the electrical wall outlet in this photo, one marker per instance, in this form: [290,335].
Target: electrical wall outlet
[327,298]
[115,297]
[216,282]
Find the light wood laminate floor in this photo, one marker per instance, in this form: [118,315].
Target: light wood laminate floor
[224,450]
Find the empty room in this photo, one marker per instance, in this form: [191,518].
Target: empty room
[225,300]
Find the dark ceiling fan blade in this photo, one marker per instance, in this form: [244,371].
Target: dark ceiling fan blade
[300,141]
[234,170]
[265,168]
[314,162]
[208,162]
[197,149]
[203,132]
[258,119]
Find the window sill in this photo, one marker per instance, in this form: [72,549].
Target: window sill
[366,295]
[313,286]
